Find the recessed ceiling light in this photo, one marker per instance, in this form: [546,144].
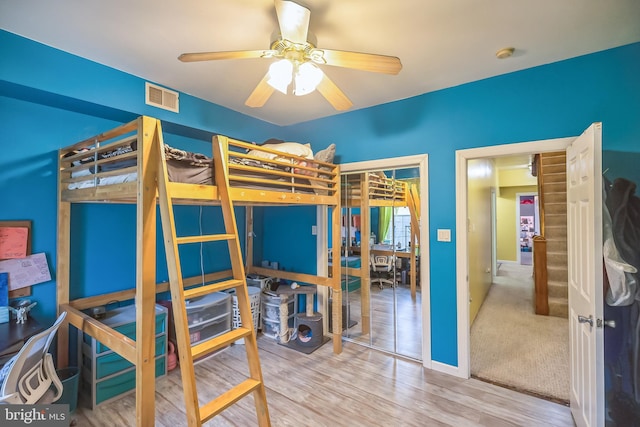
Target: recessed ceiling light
[505,53]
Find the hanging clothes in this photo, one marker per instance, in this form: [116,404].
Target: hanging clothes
[621,253]
[624,208]
[622,285]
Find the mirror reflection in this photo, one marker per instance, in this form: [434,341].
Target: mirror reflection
[380,258]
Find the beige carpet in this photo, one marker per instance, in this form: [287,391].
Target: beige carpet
[512,346]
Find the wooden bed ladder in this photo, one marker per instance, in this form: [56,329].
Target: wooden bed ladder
[196,414]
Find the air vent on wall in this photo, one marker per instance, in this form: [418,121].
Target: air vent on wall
[161,97]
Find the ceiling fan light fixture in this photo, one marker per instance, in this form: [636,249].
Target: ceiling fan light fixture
[307,78]
[280,75]
[295,48]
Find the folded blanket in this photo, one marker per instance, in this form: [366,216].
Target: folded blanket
[194,159]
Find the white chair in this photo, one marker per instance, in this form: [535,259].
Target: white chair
[30,375]
[382,270]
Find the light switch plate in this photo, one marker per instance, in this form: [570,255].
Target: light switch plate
[444,235]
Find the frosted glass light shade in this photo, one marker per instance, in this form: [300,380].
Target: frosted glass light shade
[307,78]
[280,75]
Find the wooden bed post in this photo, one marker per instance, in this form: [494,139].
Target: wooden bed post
[414,209]
[365,253]
[63,258]
[249,240]
[149,145]
[336,271]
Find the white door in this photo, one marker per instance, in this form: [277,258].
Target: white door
[584,247]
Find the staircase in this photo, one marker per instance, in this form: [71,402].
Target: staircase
[197,414]
[553,190]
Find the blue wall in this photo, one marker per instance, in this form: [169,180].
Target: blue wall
[58,104]
[103,236]
[552,101]
[50,99]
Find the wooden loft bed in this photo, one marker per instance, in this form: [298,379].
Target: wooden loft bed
[380,191]
[131,164]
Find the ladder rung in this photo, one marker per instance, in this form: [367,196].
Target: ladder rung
[205,238]
[214,287]
[220,341]
[222,402]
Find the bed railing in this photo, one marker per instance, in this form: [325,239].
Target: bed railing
[259,170]
[382,190]
[279,170]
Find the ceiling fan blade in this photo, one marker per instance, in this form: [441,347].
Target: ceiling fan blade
[260,94]
[293,20]
[238,54]
[359,61]
[333,94]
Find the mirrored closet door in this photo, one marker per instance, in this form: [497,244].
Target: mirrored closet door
[380,258]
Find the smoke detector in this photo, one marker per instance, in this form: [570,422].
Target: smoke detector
[505,53]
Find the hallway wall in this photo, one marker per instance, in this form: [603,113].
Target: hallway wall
[481,174]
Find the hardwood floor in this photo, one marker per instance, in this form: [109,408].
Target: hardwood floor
[360,387]
[407,338]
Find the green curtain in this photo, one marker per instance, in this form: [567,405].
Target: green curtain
[384,220]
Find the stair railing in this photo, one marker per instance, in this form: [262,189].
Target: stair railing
[540,275]
[540,278]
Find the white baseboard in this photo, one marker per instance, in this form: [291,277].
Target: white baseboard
[447,369]
[500,261]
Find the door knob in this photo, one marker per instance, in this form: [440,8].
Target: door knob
[583,319]
[607,323]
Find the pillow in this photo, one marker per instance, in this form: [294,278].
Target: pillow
[327,154]
[294,148]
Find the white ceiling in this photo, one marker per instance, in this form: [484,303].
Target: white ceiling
[513,162]
[440,43]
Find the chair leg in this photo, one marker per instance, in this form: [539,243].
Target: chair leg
[388,282]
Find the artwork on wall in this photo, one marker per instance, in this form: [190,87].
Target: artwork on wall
[527,231]
[15,242]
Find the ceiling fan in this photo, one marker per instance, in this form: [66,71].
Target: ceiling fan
[298,60]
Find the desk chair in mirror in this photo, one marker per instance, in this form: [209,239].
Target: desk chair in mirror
[382,271]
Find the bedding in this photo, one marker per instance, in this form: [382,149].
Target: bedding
[107,166]
[326,155]
[293,148]
[275,182]
[182,166]
[196,168]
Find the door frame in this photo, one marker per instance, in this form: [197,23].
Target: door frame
[536,219]
[420,161]
[462,250]
[494,232]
